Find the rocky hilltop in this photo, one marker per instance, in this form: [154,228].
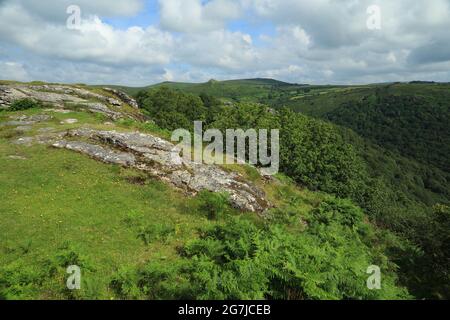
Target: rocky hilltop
[143,151]
[110,103]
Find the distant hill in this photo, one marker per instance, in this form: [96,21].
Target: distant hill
[246,89]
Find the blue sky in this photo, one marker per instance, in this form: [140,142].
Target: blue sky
[139,42]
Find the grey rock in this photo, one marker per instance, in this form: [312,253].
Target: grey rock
[69,121]
[17,157]
[49,138]
[162,159]
[33,118]
[24,128]
[58,96]
[114,102]
[124,97]
[17,123]
[98,152]
[103,109]
[46,130]
[26,141]
[63,111]
[23,120]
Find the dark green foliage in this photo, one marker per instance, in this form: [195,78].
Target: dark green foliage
[18,280]
[405,153]
[397,195]
[69,255]
[312,152]
[24,104]
[21,279]
[172,109]
[213,204]
[239,260]
[410,125]
[155,232]
[433,260]
[340,211]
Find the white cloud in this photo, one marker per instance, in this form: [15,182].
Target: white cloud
[307,41]
[329,23]
[95,41]
[194,16]
[52,10]
[221,49]
[13,71]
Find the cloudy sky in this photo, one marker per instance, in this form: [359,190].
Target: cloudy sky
[140,42]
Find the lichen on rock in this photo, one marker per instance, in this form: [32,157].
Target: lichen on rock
[60,96]
[162,159]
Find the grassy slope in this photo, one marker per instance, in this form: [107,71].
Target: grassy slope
[57,196]
[64,196]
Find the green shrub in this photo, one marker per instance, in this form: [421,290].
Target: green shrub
[171,109]
[338,210]
[125,283]
[155,232]
[25,104]
[24,280]
[239,260]
[133,219]
[69,255]
[213,205]
[19,280]
[154,281]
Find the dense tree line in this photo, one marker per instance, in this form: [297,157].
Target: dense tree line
[411,125]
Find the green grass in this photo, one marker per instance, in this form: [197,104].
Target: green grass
[55,197]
